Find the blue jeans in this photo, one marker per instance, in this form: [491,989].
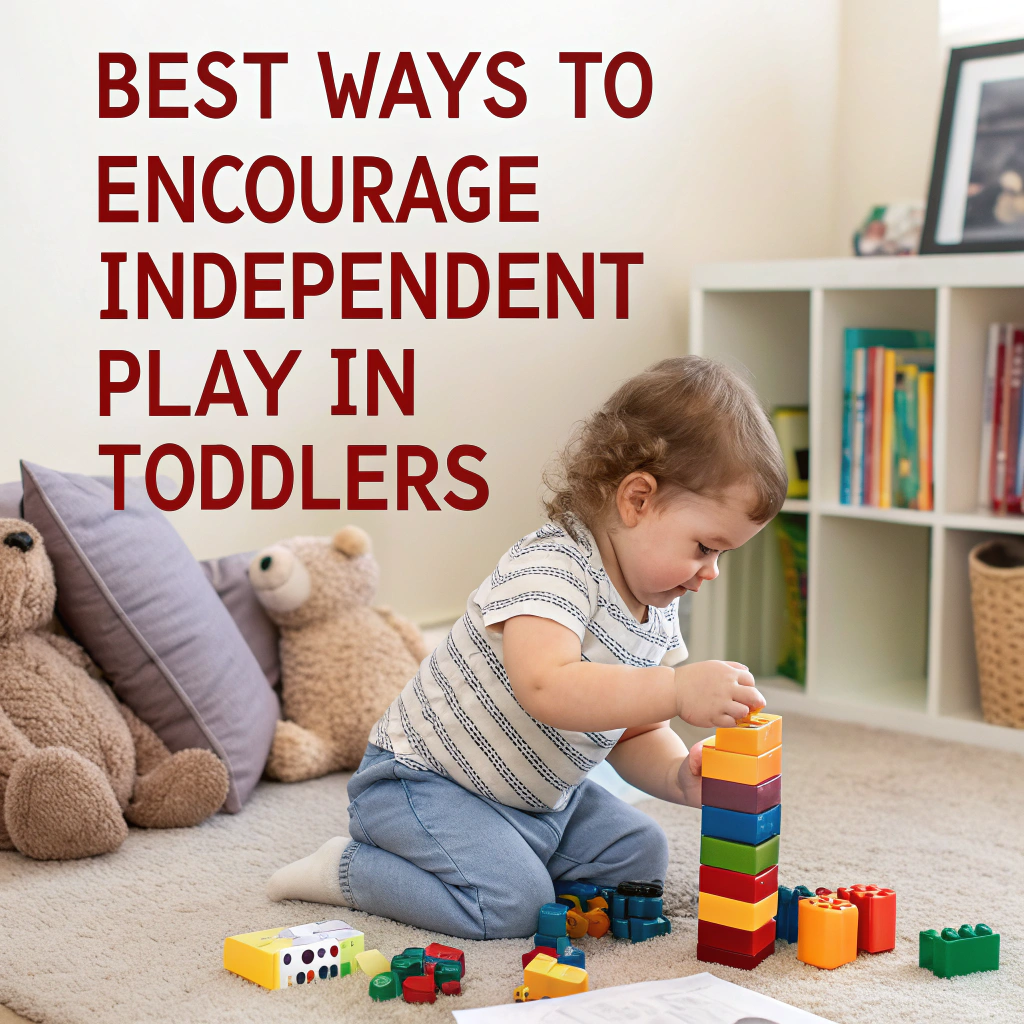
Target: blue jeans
[430,853]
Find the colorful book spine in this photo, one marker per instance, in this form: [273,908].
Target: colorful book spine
[860,371]
[997,458]
[925,404]
[988,417]
[905,487]
[1013,409]
[739,845]
[886,447]
[876,395]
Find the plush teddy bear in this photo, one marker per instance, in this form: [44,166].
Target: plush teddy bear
[342,660]
[74,762]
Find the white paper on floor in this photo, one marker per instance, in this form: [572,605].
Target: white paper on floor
[699,999]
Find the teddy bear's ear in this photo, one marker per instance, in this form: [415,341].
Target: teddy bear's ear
[352,541]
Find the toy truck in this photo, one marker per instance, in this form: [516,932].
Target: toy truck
[545,978]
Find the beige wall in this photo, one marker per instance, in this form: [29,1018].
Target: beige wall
[735,159]
[891,72]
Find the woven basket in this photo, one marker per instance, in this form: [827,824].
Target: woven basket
[997,598]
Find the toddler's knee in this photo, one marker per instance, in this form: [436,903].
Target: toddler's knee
[509,910]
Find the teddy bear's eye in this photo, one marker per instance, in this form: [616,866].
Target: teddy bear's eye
[265,562]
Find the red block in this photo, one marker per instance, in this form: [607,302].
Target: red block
[447,953]
[712,955]
[451,988]
[735,940]
[735,885]
[876,916]
[418,989]
[527,957]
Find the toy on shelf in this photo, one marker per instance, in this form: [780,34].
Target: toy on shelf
[545,978]
[964,951]
[741,819]
[282,957]
[827,936]
[416,974]
[876,916]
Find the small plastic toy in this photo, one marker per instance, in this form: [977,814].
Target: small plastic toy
[576,924]
[741,857]
[964,951]
[752,735]
[373,962]
[739,826]
[748,769]
[736,913]
[735,796]
[451,988]
[441,952]
[536,951]
[418,989]
[407,966]
[735,940]
[738,886]
[573,956]
[649,889]
[385,986]
[876,920]
[827,936]
[545,978]
[282,957]
[788,917]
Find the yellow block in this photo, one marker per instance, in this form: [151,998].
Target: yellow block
[736,913]
[274,958]
[748,769]
[827,933]
[373,962]
[546,978]
[758,732]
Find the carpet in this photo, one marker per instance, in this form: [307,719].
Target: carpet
[137,936]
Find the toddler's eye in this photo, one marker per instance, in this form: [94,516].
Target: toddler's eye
[704,550]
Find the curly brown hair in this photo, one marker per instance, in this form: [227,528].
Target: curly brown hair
[691,422]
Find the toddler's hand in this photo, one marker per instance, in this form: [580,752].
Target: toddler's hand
[689,774]
[715,693]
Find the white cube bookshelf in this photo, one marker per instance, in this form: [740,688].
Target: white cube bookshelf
[889,630]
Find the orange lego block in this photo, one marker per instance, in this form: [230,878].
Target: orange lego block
[752,735]
[748,769]
[576,924]
[876,921]
[827,933]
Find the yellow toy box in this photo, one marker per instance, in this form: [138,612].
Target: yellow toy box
[282,957]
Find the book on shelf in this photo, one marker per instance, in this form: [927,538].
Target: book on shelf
[1001,454]
[791,428]
[884,463]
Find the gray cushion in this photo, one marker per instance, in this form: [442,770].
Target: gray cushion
[230,578]
[10,501]
[131,593]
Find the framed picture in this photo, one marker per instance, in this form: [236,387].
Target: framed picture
[976,198]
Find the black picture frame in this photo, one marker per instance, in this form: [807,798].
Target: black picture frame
[929,243]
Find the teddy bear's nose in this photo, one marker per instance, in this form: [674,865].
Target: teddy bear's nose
[20,540]
[265,562]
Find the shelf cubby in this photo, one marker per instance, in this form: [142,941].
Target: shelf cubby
[889,629]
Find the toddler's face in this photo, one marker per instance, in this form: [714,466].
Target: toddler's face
[674,547]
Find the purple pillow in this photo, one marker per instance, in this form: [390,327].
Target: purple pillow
[10,501]
[130,592]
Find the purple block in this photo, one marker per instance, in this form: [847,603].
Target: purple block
[735,796]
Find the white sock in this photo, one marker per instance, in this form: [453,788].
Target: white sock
[314,878]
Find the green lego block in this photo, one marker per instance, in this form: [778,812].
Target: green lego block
[406,967]
[742,857]
[385,986]
[954,952]
[446,970]
[345,968]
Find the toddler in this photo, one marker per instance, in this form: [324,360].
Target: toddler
[472,798]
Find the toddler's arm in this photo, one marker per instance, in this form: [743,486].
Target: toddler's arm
[656,760]
[542,659]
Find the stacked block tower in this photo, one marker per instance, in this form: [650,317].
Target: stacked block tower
[739,845]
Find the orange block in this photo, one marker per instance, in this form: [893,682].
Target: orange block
[752,735]
[748,769]
[827,935]
[576,924]
[876,921]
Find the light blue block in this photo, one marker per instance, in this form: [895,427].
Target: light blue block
[618,906]
[740,827]
[551,919]
[558,942]
[641,929]
[620,927]
[572,955]
[645,906]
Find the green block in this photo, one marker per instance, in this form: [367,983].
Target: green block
[446,970]
[742,857]
[406,967]
[344,968]
[385,986]
[955,952]
[415,951]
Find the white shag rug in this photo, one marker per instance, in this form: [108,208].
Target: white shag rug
[137,936]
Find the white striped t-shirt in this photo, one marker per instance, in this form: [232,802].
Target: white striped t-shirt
[458,715]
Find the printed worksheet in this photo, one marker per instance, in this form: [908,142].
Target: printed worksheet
[699,999]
